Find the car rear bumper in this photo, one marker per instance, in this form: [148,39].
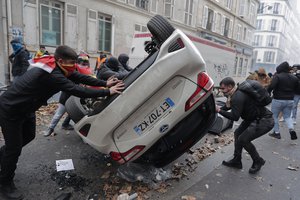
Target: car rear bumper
[183,136]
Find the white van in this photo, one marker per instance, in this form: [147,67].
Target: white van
[219,59]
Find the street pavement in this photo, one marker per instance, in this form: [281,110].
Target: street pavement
[277,180]
[37,178]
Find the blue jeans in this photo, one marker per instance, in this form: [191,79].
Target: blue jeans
[295,106]
[284,106]
[60,111]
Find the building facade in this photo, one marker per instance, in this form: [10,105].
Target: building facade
[109,25]
[275,38]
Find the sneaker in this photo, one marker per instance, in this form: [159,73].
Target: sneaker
[293,135]
[275,135]
[256,166]
[234,163]
[67,127]
[10,191]
[281,119]
[48,132]
[294,121]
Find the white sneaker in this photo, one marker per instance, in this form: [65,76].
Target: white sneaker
[294,121]
[281,119]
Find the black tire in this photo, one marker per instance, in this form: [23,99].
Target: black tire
[75,109]
[160,28]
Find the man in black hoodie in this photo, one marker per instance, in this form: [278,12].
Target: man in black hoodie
[284,85]
[111,68]
[31,91]
[123,59]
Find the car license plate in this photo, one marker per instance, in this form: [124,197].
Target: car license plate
[154,116]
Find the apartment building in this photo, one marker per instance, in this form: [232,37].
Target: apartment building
[108,25]
[275,38]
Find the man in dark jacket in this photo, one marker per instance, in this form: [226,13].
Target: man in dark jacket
[19,59]
[297,94]
[32,90]
[111,68]
[284,85]
[123,59]
[257,121]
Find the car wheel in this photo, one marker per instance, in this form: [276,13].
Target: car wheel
[160,28]
[75,109]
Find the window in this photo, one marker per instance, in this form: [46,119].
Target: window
[140,28]
[51,23]
[242,7]
[239,32]
[105,31]
[226,27]
[276,8]
[228,4]
[154,6]
[261,8]
[188,12]
[269,56]
[210,17]
[218,23]
[143,4]
[245,68]
[169,7]
[245,34]
[259,24]
[274,25]
[257,40]
[252,13]
[235,66]
[240,68]
[271,41]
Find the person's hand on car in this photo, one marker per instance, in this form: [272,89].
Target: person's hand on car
[113,81]
[117,89]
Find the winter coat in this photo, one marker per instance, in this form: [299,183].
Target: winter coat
[20,62]
[283,84]
[36,86]
[111,68]
[123,59]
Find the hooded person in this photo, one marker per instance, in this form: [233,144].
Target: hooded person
[47,76]
[111,68]
[283,85]
[19,58]
[123,59]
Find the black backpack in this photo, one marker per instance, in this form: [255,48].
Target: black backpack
[256,91]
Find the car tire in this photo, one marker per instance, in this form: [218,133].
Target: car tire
[75,109]
[160,28]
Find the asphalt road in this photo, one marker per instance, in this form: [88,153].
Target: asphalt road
[37,178]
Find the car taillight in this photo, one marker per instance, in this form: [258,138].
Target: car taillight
[85,130]
[126,156]
[204,84]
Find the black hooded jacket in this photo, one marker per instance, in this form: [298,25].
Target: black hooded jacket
[20,62]
[283,84]
[32,90]
[123,58]
[111,68]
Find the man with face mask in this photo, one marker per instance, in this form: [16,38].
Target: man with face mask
[257,121]
[47,76]
[19,59]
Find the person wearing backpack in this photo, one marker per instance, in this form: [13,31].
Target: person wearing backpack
[257,121]
[284,85]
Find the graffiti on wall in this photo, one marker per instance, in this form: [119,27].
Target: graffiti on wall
[17,33]
[221,70]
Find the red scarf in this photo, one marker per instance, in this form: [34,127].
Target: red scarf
[46,63]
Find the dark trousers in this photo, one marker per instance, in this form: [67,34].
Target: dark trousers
[17,133]
[249,131]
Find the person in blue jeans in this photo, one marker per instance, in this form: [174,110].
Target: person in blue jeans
[283,86]
[297,94]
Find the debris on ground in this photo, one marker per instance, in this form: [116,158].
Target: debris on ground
[186,197]
[45,114]
[64,196]
[296,168]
